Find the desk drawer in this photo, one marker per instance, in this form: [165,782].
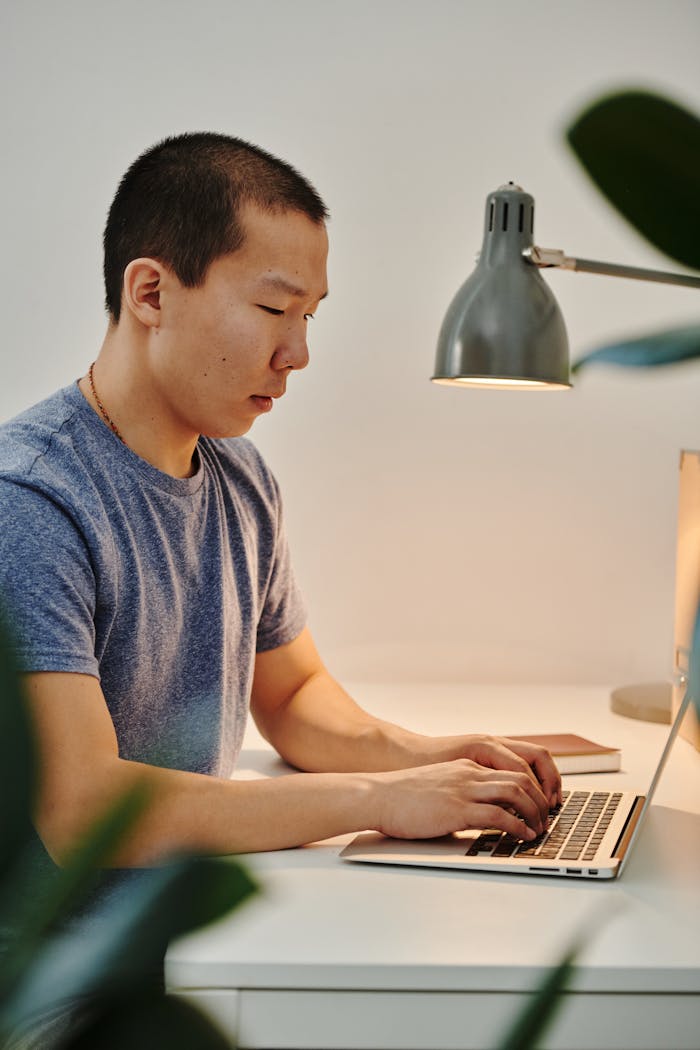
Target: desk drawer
[355,1020]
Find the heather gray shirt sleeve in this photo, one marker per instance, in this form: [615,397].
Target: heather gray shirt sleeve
[48,585]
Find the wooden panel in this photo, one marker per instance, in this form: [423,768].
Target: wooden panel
[687,580]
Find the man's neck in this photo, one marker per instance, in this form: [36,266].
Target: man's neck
[122,395]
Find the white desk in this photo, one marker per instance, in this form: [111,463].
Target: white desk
[334,955]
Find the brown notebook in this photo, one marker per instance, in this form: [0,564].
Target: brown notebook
[576,754]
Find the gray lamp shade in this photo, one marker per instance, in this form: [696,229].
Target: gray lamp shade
[504,327]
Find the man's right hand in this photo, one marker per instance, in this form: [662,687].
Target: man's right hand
[433,800]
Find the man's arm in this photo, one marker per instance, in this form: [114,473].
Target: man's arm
[82,774]
[313,723]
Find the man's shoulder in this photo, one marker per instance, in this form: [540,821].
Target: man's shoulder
[28,436]
[40,447]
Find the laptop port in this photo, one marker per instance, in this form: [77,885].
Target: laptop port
[573,871]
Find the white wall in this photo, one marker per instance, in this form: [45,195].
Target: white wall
[437,532]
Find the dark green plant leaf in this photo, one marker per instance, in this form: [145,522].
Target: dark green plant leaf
[643,153]
[47,897]
[121,945]
[147,1021]
[16,760]
[647,351]
[541,1008]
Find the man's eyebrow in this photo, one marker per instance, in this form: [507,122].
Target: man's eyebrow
[283,285]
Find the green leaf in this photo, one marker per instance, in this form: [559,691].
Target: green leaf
[47,897]
[541,1007]
[643,153]
[648,351]
[17,766]
[121,945]
[147,1021]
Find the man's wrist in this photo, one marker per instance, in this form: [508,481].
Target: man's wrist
[407,750]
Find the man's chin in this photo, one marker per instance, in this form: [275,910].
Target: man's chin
[233,430]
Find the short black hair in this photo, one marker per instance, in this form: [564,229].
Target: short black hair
[179,202]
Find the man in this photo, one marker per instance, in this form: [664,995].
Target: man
[143,563]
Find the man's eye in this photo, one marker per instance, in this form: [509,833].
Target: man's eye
[271,310]
[309,317]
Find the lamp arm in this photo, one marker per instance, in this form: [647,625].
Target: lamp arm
[548,257]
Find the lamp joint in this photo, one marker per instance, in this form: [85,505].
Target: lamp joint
[548,257]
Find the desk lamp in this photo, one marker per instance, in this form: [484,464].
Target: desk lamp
[504,328]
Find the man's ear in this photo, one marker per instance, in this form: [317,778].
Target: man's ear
[141,290]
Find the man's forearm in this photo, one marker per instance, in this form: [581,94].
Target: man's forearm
[321,728]
[192,813]
[188,812]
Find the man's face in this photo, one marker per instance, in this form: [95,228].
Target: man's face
[225,350]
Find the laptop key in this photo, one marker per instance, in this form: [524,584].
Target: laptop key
[485,844]
[506,847]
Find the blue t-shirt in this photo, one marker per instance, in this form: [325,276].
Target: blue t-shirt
[163,588]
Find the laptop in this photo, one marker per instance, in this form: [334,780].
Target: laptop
[592,833]
[589,836]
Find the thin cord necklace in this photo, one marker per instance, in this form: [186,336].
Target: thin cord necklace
[108,420]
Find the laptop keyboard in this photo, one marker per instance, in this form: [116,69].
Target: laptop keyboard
[575,830]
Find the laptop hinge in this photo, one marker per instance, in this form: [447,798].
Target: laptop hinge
[628,829]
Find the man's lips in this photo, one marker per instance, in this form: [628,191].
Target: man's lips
[264,401]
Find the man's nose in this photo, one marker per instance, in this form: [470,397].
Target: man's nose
[293,351]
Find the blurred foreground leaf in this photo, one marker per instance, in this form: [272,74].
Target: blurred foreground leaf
[643,153]
[17,772]
[541,1008]
[120,948]
[647,351]
[148,1022]
[99,972]
[46,898]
